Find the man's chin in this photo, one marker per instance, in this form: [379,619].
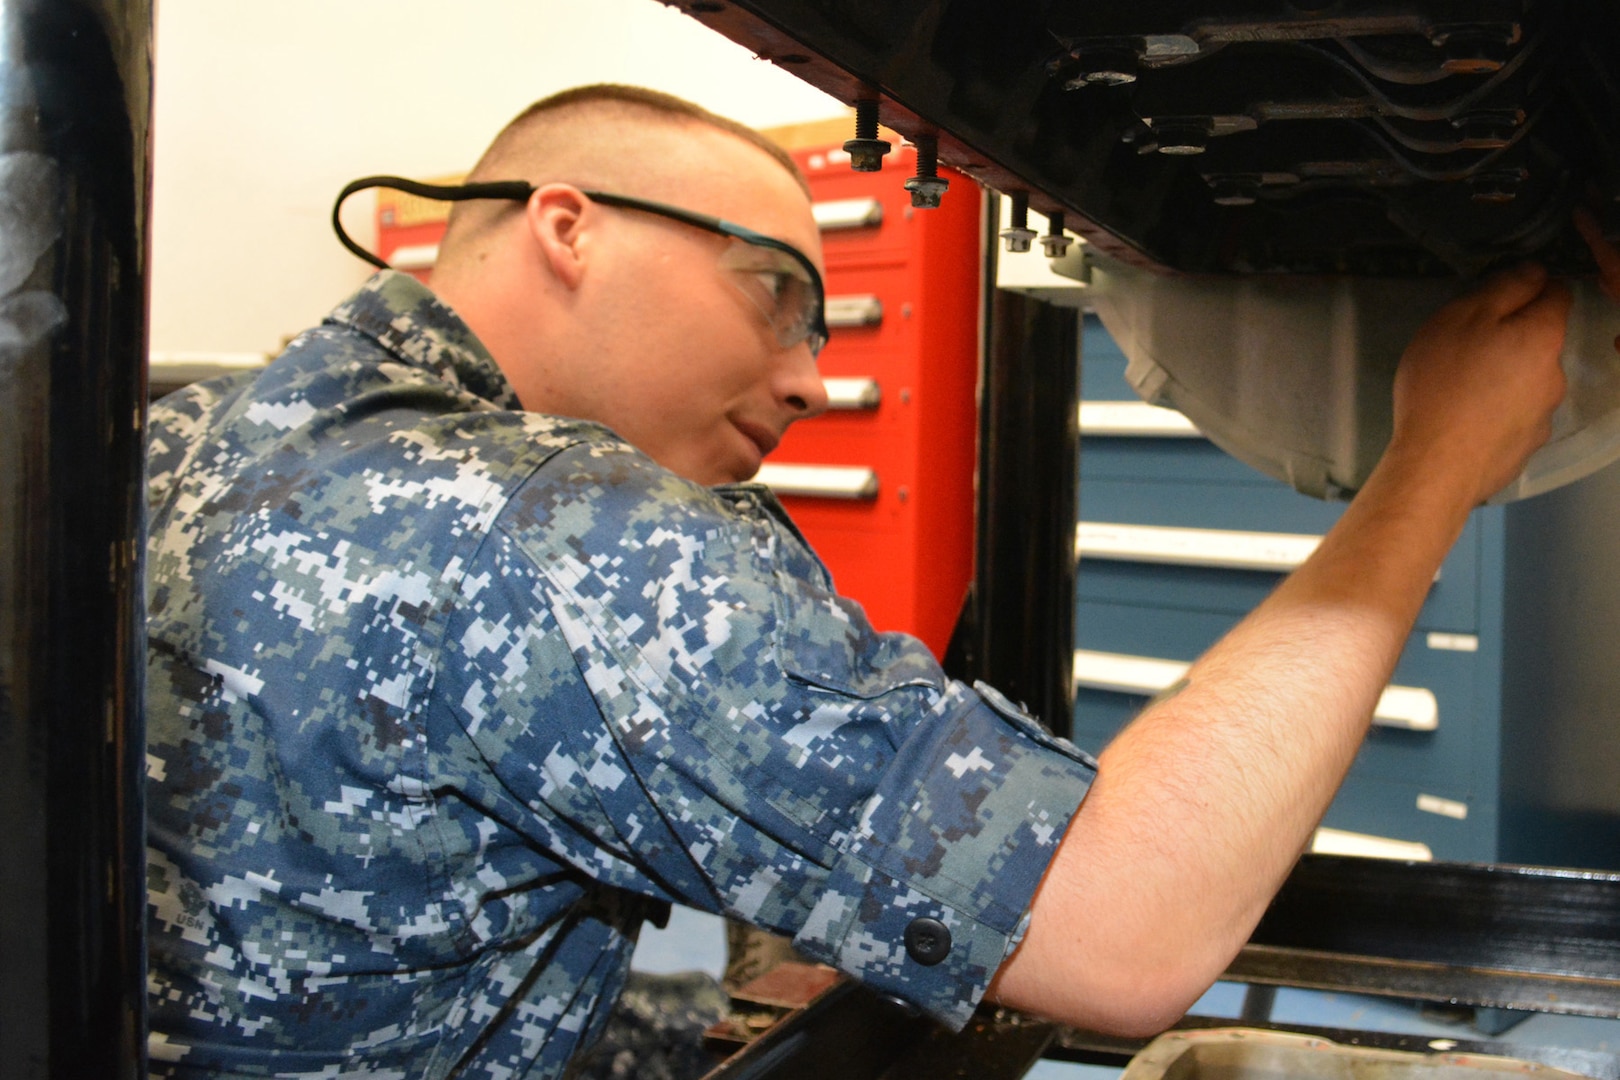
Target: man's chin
[742,476]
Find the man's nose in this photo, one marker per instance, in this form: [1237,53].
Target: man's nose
[799,385]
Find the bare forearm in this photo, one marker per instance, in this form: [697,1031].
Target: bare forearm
[1203,803]
[1273,715]
[1281,704]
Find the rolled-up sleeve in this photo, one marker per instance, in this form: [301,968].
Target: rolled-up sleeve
[701,718]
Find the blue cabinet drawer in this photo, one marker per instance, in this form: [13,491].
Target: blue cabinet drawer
[1395,810]
[1374,806]
[1148,458]
[1145,501]
[1120,571]
[1437,692]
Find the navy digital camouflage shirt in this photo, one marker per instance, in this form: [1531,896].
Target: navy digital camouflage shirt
[443,696]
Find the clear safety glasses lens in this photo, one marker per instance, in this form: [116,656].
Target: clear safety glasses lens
[781,288]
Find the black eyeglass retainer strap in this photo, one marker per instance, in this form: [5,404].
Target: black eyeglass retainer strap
[520,190]
[512,190]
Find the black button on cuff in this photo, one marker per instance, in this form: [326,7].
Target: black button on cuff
[928,941]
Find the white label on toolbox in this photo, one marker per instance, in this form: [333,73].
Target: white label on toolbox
[1223,548]
[1411,708]
[1451,808]
[1134,418]
[1454,642]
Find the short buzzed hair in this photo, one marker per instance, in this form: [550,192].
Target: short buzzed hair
[523,146]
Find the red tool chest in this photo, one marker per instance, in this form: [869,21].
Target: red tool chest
[904,548]
[892,463]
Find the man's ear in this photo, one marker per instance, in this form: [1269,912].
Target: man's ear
[555,215]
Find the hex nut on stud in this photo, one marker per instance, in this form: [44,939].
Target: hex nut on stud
[866,151]
[1018,240]
[1054,243]
[927,187]
[866,155]
[1018,234]
[927,191]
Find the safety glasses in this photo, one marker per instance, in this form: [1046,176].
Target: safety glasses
[777,277]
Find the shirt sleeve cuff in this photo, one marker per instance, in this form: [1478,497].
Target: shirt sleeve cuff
[932,892]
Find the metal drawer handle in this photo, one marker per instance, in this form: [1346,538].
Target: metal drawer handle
[836,214]
[844,312]
[820,481]
[1136,418]
[1410,708]
[852,394]
[1328,841]
[1223,548]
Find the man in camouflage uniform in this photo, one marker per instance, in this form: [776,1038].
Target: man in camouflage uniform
[469,649]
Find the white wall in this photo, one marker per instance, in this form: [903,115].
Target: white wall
[265,109]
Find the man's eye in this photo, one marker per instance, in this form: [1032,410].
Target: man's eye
[773,282]
[764,286]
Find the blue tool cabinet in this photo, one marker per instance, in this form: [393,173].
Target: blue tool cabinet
[1499,743]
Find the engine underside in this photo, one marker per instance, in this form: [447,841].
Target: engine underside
[1397,138]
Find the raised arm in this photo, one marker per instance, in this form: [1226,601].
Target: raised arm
[1204,802]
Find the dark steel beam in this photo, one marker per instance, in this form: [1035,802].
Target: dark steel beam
[851,1034]
[1517,937]
[847,1032]
[1018,631]
[75,103]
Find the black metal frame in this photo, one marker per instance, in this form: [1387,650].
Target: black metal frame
[74,156]
[1018,627]
[1512,937]
[1498,937]
[852,1034]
